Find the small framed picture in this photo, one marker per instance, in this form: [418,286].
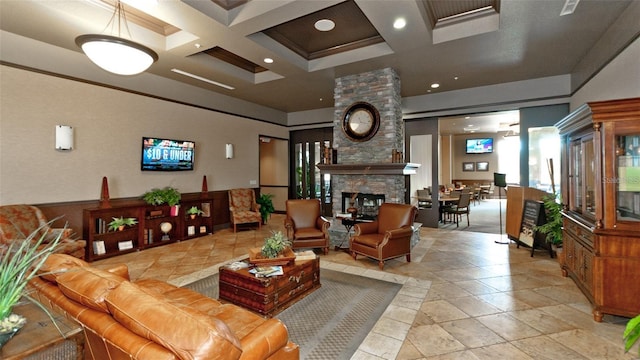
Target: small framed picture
[468,166]
[482,166]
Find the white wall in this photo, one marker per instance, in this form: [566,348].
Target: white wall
[109,125]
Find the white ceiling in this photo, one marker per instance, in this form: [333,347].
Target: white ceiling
[533,41]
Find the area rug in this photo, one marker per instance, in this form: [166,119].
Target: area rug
[331,322]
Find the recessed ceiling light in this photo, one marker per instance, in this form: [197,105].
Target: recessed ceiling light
[182,72]
[324,25]
[400,23]
[435,85]
[268,60]
[455,78]
[197,45]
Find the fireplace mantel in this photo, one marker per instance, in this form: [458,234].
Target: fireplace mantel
[369,169]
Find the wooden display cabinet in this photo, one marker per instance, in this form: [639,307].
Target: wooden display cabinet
[601,191]
[152,232]
[199,225]
[102,242]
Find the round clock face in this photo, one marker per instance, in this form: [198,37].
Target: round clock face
[361,121]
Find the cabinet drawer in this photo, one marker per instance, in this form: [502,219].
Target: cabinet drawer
[580,233]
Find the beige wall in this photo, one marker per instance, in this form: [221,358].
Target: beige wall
[460,156]
[274,171]
[109,125]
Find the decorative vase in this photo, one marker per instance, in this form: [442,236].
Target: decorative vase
[353,211]
[10,326]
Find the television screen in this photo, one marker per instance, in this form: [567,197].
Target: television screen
[480,146]
[167,154]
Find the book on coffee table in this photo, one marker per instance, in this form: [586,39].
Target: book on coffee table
[266,271]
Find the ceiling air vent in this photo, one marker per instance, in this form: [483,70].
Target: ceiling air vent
[569,7]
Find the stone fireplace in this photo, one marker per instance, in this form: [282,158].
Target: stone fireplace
[369,167]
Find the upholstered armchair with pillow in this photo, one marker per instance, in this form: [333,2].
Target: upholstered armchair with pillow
[387,237]
[18,221]
[306,228]
[243,207]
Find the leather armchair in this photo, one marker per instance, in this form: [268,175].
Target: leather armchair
[306,228]
[243,208]
[387,237]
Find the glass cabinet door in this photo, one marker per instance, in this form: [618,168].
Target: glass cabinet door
[589,175]
[576,176]
[628,177]
[583,177]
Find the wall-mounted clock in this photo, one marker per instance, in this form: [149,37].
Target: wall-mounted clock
[361,121]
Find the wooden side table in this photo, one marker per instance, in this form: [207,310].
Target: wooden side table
[39,338]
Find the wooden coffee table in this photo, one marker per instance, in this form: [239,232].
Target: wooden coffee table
[269,295]
[39,338]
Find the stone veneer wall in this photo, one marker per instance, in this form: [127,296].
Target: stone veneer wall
[380,88]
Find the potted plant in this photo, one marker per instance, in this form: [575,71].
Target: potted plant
[121,222]
[167,195]
[274,245]
[552,229]
[632,334]
[266,206]
[19,263]
[194,211]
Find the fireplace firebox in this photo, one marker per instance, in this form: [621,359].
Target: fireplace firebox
[367,204]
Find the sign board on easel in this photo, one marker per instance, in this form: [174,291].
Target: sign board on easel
[532,216]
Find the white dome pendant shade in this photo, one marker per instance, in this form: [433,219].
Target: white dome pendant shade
[117,55]
[114,53]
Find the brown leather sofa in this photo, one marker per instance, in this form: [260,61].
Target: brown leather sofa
[387,237]
[306,228]
[151,319]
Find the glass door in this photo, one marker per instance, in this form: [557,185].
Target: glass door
[309,182]
[627,177]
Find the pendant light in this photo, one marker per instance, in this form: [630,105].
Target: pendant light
[114,53]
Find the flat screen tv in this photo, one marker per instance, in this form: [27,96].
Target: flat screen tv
[160,154]
[480,146]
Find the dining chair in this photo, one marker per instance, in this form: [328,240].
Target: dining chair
[461,208]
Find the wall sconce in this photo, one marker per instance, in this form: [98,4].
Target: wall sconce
[64,137]
[229,151]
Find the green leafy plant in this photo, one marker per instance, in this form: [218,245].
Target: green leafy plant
[20,262]
[167,195]
[632,334]
[266,206]
[194,211]
[552,229]
[116,223]
[275,244]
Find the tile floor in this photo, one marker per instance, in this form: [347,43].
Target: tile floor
[464,296]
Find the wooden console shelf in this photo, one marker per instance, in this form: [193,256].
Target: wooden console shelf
[103,243]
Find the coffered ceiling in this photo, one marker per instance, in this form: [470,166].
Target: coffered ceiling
[456,43]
